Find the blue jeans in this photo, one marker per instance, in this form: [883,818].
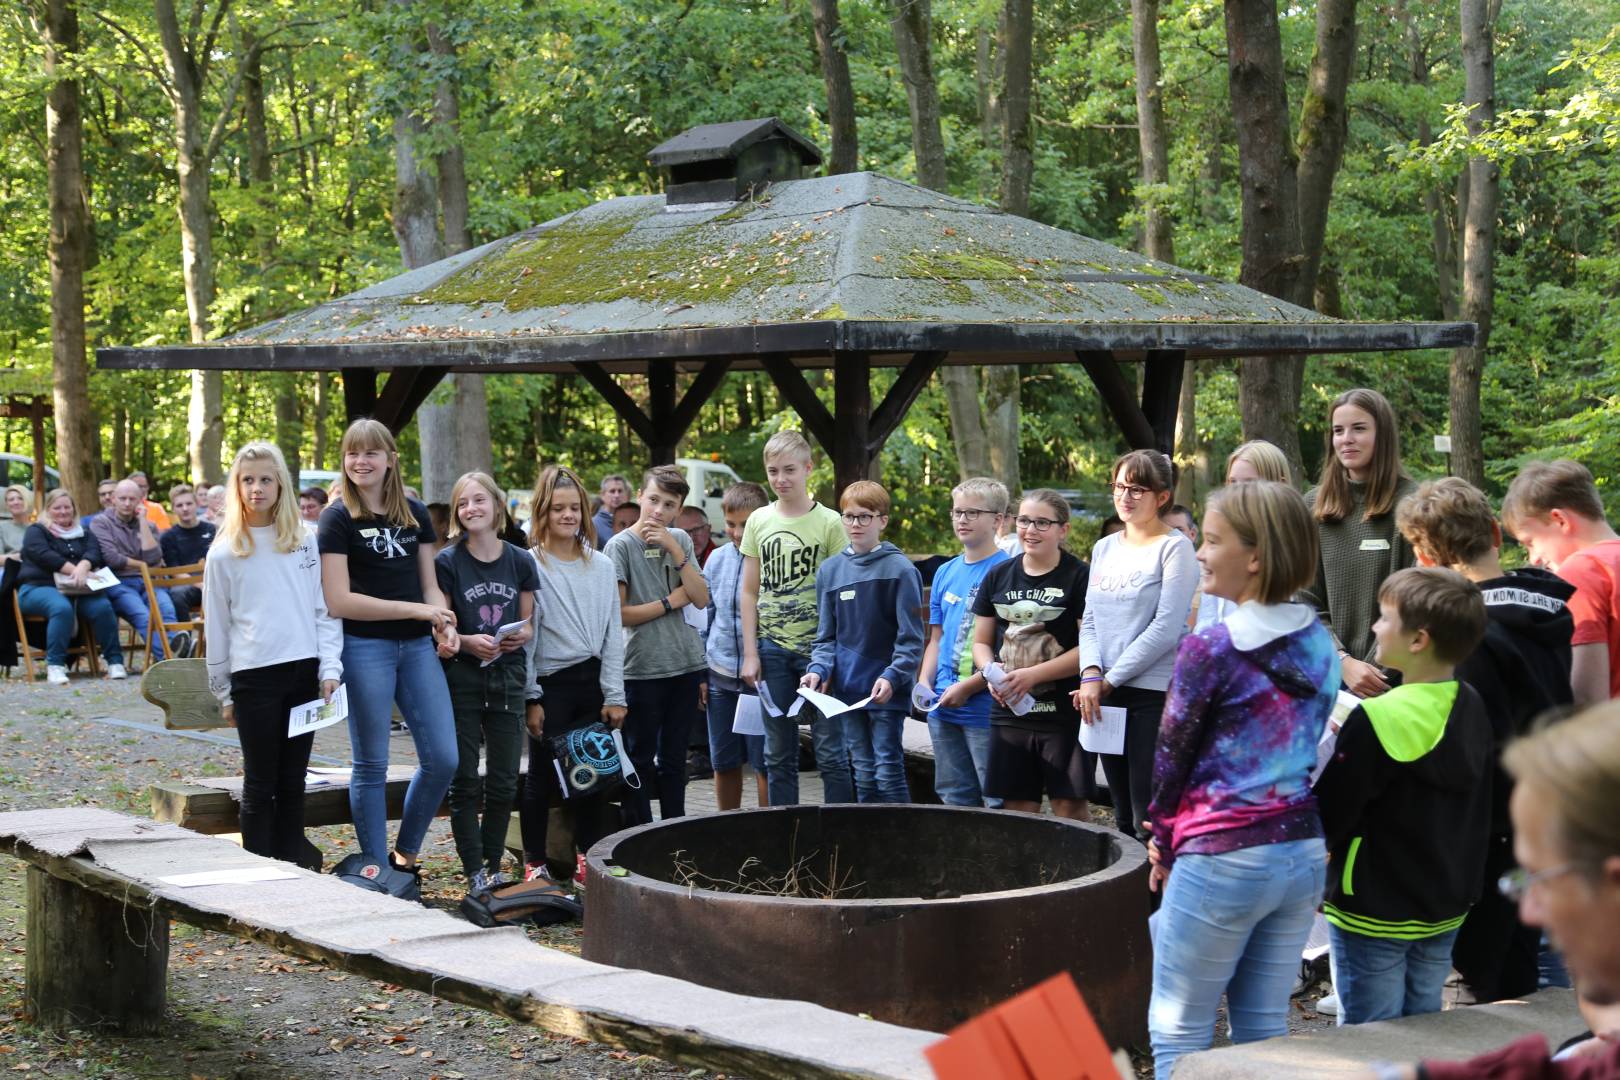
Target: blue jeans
[1232,923]
[128,598]
[727,749]
[872,737]
[657,728]
[61,614]
[782,669]
[380,671]
[1384,978]
[961,763]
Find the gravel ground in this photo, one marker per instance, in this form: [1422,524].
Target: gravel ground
[238,1009]
[241,1010]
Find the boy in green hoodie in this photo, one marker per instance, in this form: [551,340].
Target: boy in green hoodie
[1406,803]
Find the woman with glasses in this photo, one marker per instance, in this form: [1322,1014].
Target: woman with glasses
[1027,623]
[1142,583]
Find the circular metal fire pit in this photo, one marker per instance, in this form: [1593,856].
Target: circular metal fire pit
[942,912]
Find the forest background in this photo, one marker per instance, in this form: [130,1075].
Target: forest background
[289,148]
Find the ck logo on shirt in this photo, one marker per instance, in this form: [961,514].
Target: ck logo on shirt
[389,541]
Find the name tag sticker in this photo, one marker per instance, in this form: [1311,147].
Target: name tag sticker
[368,533]
[847,594]
[1375,545]
[652,553]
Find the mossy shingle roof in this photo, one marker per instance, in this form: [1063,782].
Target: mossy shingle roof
[856,261]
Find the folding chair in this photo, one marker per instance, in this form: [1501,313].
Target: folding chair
[27,649]
[172,577]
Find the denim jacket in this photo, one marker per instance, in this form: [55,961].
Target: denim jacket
[723,639]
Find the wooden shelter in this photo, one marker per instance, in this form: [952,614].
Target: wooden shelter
[747,264]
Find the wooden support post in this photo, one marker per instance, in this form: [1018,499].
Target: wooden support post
[404,393]
[1120,398]
[664,424]
[359,393]
[93,963]
[660,410]
[1161,395]
[38,410]
[852,419]
[796,392]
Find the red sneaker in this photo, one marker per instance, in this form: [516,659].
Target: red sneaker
[579,870]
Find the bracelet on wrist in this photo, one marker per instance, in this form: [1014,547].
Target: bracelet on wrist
[1090,679]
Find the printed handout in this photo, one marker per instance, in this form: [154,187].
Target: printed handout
[830,706]
[314,715]
[502,634]
[1107,734]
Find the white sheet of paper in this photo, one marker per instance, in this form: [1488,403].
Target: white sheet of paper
[1107,735]
[769,706]
[696,617]
[101,579]
[314,715]
[995,675]
[750,717]
[240,875]
[504,632]
[830,706]
[923,698]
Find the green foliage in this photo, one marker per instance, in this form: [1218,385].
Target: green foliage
[561,100]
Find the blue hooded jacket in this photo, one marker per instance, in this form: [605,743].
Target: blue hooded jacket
[869,623]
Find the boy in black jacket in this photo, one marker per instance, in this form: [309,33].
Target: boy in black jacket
[1522,671]
[1406,804]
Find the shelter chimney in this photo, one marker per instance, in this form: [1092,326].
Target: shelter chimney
[731,161]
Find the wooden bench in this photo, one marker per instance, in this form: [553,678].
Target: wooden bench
[98,912]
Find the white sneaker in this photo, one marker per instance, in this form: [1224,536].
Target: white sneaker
[56,674]
[116,671]
[1328,1005]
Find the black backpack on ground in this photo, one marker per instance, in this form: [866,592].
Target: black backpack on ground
[377,876]
[542,902]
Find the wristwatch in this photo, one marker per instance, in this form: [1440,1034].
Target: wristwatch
[667,607]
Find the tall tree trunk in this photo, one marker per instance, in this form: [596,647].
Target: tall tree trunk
[1323,125]
[453,424]
[840,91]
[322,390]
[194,151]
[913,43]
[1479,241]
[1273,261]
[68,249]
[1151,136]
[1017,144]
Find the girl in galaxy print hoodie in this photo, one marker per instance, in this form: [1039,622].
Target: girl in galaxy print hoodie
[1237,841]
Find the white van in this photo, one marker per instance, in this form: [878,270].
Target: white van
[707,480]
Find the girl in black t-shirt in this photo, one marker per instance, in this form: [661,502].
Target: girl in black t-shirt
[1028,620]
[490,585]
[377,573]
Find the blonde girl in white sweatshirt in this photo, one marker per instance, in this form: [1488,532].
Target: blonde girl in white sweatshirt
[271,644]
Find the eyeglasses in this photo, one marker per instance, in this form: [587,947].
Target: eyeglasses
[1038,524]
[862,520]
[1130,491]
[1516,882]
[970,514]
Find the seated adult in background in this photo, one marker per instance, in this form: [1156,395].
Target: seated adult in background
[152,511]
[60,545]
[104,492]
[311,501]
[18,505]
[615,490]
[1521,670]
[695,523]
[1566,836]
[128,539]
[185,544]
[215,514]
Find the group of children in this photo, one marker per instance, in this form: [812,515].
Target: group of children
[1217,671]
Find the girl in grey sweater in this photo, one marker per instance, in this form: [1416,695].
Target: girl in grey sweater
[1137,603]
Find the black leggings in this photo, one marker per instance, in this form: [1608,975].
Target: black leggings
[573,699]
[273,765]
[1130,775]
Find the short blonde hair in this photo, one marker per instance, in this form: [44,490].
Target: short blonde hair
[1448,520]
[1544,486]
[867,495]
[1575,763]
[1443,602]
[59,493]
[788,443]
[1270,462]
[1272,518]
[475,479]
[992,492]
